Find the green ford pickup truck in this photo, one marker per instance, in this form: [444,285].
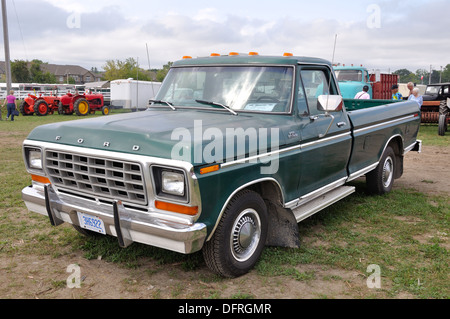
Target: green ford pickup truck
[231,154]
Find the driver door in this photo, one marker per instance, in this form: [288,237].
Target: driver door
[326,139]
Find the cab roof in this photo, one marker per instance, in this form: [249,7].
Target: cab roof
[249,59]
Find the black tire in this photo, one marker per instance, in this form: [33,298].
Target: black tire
[443,108]
[105,110]
[61,110]
[82,107]
[442,128]
[240,236]
[381,179]
[41,108]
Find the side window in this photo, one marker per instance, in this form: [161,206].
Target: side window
[302,105]
[446,90]
[316,83]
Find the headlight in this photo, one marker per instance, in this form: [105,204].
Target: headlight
[34,158]
[173,183]
[170,183]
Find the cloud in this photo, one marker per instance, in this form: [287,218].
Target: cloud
[410,34]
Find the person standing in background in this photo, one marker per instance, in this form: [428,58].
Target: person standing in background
[11,102]
[396,96]
[416,96]
[410,87]
[363,95]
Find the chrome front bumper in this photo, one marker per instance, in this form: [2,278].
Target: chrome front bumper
[129,226]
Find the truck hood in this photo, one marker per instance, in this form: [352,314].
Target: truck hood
[195,136]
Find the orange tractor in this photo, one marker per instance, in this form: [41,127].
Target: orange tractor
[82,104]
[41,105]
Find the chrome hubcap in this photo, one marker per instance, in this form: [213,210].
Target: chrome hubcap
[388,170]
[245,236]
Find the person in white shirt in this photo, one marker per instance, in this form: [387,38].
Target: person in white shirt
[363,95]
[416,96]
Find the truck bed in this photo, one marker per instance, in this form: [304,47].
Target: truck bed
[376,122]
[352,104]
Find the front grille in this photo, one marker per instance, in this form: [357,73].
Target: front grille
[97,177]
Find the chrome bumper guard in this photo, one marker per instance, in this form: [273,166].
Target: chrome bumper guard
[128,226]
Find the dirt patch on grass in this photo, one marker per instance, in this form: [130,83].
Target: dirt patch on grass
[427,172]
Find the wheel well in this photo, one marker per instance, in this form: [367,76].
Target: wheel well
[268,190]
[397,145]
[282,228]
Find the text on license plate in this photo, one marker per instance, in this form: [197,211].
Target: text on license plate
[91,223]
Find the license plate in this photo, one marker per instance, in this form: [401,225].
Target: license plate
[91,223]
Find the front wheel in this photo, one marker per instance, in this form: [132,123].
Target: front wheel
[381,179]
[240,236]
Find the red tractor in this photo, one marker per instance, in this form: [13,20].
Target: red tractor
[82,104]
[41,105]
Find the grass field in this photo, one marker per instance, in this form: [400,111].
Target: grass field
[404,233]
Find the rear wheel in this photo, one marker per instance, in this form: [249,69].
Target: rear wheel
[240,236]
[81,107]
[41,108]
[442,124]
[105,110]
[381,179]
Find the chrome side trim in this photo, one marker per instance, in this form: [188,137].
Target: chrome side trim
[284,150]
[322,202]
[362,172]
[314,194]
[416,145]
[383,124]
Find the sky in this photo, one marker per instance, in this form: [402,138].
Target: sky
[385,34]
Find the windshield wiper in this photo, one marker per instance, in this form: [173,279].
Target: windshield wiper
[217,104]
[169,104]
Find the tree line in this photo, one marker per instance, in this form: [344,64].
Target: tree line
[129,68]
[31,72]
[422,76]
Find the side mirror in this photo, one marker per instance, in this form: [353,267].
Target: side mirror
[330,103]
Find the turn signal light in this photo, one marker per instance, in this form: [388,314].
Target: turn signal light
[288,54]
[187,57]
[253,53]
[40,179]
[233,53]
[191,211]
[215,54]
[209,169]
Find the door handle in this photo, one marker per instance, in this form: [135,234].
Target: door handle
[341,124]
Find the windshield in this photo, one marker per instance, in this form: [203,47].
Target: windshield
[432,90]
[348,75]
[240,88]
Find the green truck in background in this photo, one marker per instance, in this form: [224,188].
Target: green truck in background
[234,151]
